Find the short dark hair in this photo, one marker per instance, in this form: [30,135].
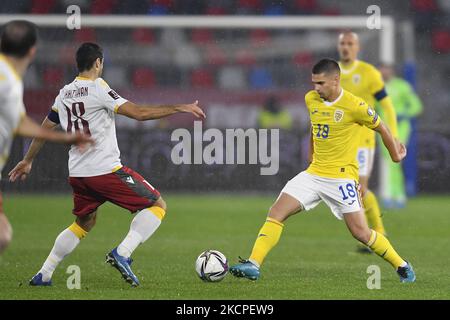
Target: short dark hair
[326,66]
[18,37]
[86,55]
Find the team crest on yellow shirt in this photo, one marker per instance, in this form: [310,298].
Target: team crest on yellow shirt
[338,115]
[356,78]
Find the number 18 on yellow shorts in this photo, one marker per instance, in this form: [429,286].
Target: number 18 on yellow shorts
[340,195]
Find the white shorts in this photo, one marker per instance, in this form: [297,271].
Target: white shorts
[365,161]
[340,195]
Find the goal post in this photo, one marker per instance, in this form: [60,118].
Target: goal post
[386,38]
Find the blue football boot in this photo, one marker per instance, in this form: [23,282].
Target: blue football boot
[123,265]
[406,273]
[37,281]
[245,269]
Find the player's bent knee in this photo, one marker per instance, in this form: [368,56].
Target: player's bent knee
[88,221]
[161,203]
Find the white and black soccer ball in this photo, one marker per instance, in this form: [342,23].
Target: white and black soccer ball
[211,266]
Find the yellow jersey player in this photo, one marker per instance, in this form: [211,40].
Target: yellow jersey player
[336,119]
[365,81]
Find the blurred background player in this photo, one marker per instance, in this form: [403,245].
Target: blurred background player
[97,176]
[17,51]
[336,117]
[407,106]
[272,115]
[365,81]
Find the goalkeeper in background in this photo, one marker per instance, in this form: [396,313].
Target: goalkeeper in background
[407,106]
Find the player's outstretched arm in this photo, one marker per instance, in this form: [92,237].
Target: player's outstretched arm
[397,150]
[28,128]
[149,112]
[389,114]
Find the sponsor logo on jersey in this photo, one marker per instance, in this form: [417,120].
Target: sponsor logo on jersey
[130,180]
[338,115]
[113,94]
[370,112]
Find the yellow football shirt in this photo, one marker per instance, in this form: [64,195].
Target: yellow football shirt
[363,80]
[336,128]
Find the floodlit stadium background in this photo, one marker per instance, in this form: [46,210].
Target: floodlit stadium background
[232,72]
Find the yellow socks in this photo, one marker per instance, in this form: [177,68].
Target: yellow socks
[373,213]
[382,247]
[267,239]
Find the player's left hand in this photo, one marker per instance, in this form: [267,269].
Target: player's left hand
[401,150]
[20,171]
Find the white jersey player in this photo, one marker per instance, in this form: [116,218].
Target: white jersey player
[89,105]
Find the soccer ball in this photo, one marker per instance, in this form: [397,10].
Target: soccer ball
[211,266]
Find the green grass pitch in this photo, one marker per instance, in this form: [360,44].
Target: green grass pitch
[315,258]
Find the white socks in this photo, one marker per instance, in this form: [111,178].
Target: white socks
[142,227]
[65,243]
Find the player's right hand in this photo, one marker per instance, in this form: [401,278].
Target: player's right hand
[20,171]
[192,108]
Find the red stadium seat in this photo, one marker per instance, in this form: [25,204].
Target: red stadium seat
[245,57]
[303,59]
[440,40]
[103,6]
[424,5]
[143,78]
[215,11]
[143,36]
[250,4]
[214,55]
[306,5]
[53,76]
[202,36]
[85,35]
[260,36]
[42,7]
[202,78]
